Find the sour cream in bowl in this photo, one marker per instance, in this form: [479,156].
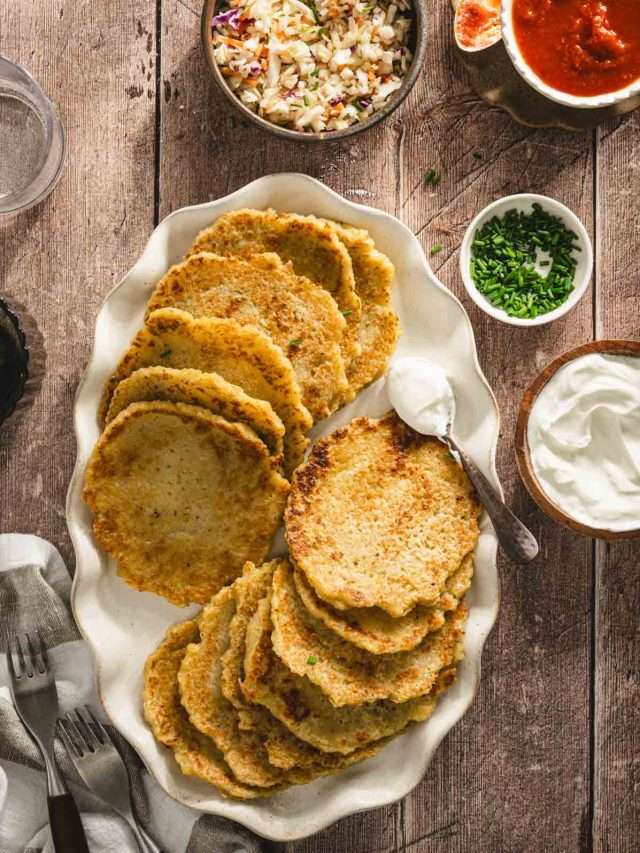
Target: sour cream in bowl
[578,439]
[420,393]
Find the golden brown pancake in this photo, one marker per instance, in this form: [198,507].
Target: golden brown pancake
[307,712]
[283,748]
[242,355]
[372,629]
[309,243]
[346,674]
[298,315]
[243,749]
[182,499]
[378,330]
[196,388]
[195,754]
[199,679]
[380,516]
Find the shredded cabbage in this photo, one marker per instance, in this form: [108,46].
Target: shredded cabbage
[316,65]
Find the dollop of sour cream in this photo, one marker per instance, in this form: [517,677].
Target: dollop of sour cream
[584,440]
[420,393]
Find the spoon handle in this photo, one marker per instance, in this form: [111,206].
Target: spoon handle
[516,540]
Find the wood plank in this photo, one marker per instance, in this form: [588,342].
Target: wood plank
[61,258]
[517,768]
[616,825]
[209,150]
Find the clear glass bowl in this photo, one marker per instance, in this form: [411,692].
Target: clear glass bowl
[32,142]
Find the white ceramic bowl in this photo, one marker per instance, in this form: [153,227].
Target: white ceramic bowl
[525,201]
[123,626]
[607,99]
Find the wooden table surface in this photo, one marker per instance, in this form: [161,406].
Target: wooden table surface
[548,757]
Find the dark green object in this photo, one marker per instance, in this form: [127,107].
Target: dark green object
[432,178]
[14,360]
[503,261]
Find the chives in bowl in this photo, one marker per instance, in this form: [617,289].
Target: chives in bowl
[526,260]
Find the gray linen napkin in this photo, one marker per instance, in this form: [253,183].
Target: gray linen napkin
[34,592]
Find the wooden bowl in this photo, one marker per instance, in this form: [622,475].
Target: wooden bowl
[525,467]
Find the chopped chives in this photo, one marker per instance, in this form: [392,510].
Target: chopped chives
[432,178]
[504,259]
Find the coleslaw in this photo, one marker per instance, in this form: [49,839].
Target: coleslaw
[313,66]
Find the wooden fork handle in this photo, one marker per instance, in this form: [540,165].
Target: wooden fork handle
[67,833]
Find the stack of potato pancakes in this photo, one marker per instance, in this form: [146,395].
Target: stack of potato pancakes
[301,666]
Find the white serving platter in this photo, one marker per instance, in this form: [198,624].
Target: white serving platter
[124,626]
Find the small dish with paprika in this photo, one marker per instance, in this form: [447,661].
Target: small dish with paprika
[580,53]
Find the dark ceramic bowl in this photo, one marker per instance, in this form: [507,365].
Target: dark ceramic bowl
[14,361]
[417,44]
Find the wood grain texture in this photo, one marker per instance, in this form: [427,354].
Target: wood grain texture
[60,259]
[208,150]
[616,734]
[525,743]
[547,759]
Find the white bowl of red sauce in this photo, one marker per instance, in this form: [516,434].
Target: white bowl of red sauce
[581,53]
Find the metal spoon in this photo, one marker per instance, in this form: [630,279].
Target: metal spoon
[421,394]
[516,540]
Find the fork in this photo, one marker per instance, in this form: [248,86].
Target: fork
[34,694]
[102,769]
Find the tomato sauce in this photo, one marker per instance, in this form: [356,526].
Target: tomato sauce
[583,47]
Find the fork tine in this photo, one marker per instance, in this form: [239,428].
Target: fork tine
[96,741]
[80,740]
[10,666]
[35,655]
[101,733]
[42,651]
[70,744]
[22,669]
[87,732]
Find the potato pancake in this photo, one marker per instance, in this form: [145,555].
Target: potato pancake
[182,499]
[298,315]
[380,516]
[242,355]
